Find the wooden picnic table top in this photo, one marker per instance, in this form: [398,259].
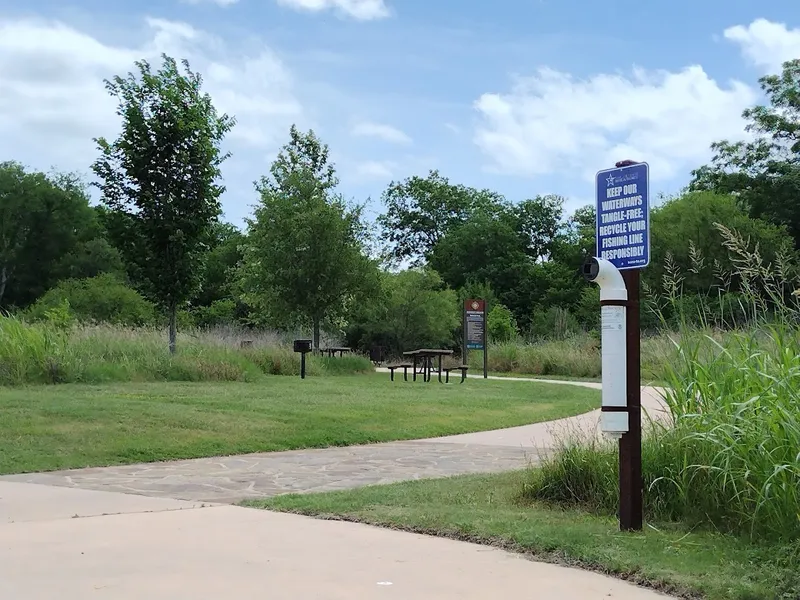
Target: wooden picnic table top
[428,352]
[337,349]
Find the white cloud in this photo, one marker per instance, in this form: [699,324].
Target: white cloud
[53,100]
[375,170]
[379,130]
[765,44]
[361,10]
[554,123]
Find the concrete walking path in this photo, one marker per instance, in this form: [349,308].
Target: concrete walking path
[172,535]
[76,544]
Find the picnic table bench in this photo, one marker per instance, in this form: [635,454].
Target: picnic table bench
[331,351]
[425,356]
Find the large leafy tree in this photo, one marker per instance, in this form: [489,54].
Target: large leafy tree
[683,228]
[414,309]
[160,178]
[218,279]
[421,210]
[539,221]
[46,230]
[304,261]
[764,172]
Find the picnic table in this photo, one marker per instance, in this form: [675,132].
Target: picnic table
[426,356]
[331,352]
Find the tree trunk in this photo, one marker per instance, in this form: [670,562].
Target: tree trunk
[173,327]
[317,349]
[3,281]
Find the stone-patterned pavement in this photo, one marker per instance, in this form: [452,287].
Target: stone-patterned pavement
[235,478]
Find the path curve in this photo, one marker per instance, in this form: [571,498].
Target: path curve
[230,479]
[68,541]
[76,544]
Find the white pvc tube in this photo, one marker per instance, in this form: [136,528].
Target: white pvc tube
[614,369]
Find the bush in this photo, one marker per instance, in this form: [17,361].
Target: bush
[731,459]
[555,323]
[501,325]
[97,299]
[40,353]
[576,357]
[415,310]
[219,312]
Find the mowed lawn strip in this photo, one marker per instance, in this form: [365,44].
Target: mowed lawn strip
[71,426]
[486,509]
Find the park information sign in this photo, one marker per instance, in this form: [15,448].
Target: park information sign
[475,330]
[623,216]
[475,322]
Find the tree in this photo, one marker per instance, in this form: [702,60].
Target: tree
[160,178]
[304,259]
[485,248]
[764,173]
[45,222]
[539,222]
[415,309]
[684,229]
[420,211]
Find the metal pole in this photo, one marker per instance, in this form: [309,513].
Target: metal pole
[631,485]
[464,349]
[302,365]
[485,340]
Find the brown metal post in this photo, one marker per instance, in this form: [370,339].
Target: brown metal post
[631,485]
[485,339]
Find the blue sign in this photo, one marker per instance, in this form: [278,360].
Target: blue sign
[623,216]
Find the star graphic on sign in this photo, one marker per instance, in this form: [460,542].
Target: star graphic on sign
[610,180]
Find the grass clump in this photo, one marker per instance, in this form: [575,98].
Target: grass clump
[50,352]
[730,458]
[488,509]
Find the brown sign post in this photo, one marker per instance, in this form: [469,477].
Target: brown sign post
[475,335]
[623,239]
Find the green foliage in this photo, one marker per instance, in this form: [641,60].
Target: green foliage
[421,211]
[729,460]
[416,310]
[219,312]
[684,237]
[304,261]
[46,226]
[555,323]
[160,176]
[218,280]
[46,352]
[764,172]
[501,325]
[97,299]
[538,221]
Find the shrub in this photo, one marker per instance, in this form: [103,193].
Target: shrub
[97,299]
[731,459]
[501,325]
[554,323]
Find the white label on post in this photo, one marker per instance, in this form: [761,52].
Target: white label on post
[612,348]
[612,317]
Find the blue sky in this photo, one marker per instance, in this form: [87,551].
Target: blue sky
[521,96]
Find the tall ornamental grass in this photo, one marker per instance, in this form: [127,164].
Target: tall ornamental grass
[730,457]
[45,353]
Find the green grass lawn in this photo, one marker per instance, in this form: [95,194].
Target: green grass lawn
[487,509]
[68,426]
